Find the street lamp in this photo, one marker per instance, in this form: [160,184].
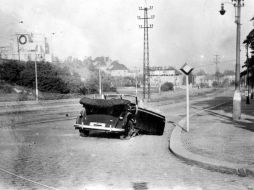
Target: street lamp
[18,41]
[237,94]
[100,84]
[36,75]
[222,11]
[53,34]
[247,77]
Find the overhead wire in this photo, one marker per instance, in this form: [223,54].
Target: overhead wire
[226,61]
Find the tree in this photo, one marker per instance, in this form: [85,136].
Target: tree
[249,63]
[167,86]
[10,71]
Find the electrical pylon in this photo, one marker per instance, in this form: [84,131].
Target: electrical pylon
[146,70]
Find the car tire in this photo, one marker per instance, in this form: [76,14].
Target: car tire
[84,133]
[129,130]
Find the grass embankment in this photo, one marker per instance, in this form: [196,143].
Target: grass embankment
[10,93]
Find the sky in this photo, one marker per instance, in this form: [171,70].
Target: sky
[183,31]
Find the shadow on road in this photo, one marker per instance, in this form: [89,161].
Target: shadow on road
[225,111]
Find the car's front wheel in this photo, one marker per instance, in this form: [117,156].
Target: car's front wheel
[84,133]
[129,131]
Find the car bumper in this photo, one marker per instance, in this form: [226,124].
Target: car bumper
[99,128]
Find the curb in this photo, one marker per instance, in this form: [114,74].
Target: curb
[177,148]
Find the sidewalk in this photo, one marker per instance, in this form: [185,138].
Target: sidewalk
[217,142]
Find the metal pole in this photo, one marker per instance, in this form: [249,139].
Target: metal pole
[237,93]
[247,77]
[18,47]
[136,84]
[144,59]
[252,85]
[187,104]
[36,81]
[146,71]
[100,91]
[52,52]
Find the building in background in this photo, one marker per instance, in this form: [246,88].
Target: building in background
[118,70]
[161,75]
[204,80]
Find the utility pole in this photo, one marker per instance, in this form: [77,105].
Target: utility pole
[237,94]
[100,86]
[238,4]
[146,68]
[36,78]
[247,77]
[216,68]
[18,47]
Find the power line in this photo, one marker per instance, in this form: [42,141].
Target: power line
[220,61]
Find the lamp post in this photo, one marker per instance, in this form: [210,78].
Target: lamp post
[36,73]
[136,84]
[100,86]
[237,94]
[36,78]
[18,42]
[247,77]
[53,34]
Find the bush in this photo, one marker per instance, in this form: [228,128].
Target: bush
[167,86]
[215,84]
[51,78]
[6,89]
[23,96]
[204,85]
[10,71]
[83,90]
[108,88]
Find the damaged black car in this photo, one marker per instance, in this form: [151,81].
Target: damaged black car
[118,114]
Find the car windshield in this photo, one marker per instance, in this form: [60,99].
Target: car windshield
[131,98]
[115,111]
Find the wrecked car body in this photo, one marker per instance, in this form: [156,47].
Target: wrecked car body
[118,114]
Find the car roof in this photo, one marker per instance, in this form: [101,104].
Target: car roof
[102,103]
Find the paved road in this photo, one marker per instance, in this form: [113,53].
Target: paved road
[53,154]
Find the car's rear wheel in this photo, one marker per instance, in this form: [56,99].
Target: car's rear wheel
[84,133]
[130,130]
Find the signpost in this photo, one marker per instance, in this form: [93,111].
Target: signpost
[186,69]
